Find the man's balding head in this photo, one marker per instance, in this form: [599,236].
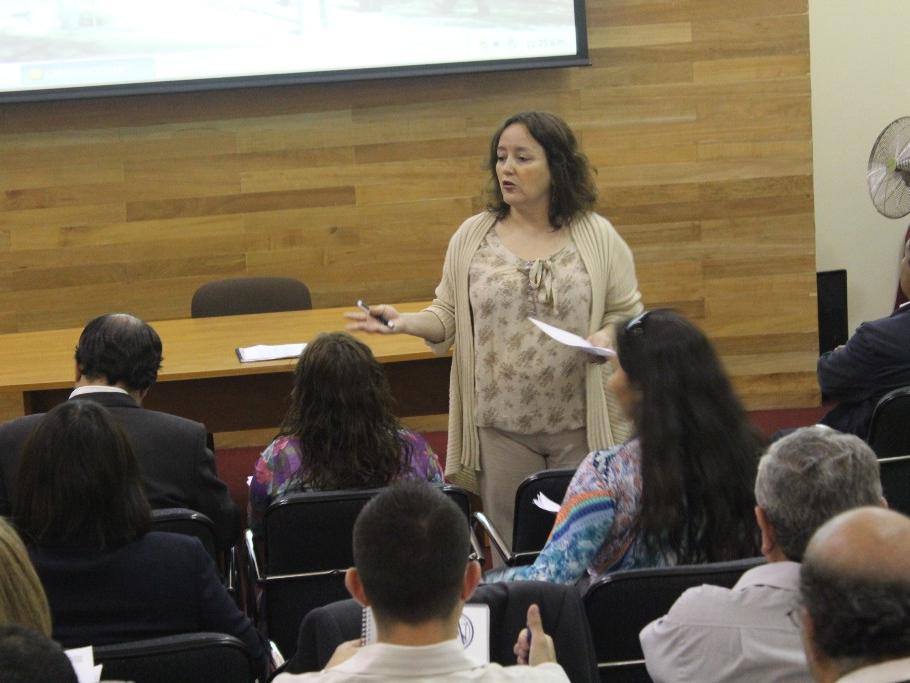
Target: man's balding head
[855,582]
[120,350]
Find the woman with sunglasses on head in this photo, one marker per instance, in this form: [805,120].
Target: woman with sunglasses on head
[519,401]
[681,491]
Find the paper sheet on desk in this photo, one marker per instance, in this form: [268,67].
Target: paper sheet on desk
[250,354]
[570,339]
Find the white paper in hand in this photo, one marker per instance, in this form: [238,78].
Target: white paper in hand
[571,339]
[546,504]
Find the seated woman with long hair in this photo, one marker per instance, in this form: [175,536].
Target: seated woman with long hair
[22,598]
[681,491]
[339,432]
[85,520]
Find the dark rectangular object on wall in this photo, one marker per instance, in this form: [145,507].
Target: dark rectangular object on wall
[832,309]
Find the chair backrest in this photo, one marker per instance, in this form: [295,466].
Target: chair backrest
[889,429]
[639,596]
[187,522]
[186,658]
[560,608]
[237,296]
[531,526]
[895,476]
[308,538]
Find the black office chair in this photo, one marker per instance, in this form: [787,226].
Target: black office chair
[531,526]
[307,538]
[895,476]
[560,609]
[185,658]
[621,604]
[196,524]
[889,429]
[238,296]
[187,522]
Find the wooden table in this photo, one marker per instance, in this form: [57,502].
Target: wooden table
[202,379]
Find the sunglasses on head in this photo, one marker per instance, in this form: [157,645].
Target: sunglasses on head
[636,324]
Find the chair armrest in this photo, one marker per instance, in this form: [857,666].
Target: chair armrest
[275,657]
[476,549]
[495,539]
[523,558]
[230,569]
[252,579]
[250,552]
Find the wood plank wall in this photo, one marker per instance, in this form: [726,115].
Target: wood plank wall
[695,112]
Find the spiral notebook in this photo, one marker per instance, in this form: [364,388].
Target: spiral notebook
[473,631]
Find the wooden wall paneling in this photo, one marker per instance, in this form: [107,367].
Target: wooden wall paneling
[696,114]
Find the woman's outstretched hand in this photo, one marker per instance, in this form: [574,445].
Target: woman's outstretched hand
[382,319]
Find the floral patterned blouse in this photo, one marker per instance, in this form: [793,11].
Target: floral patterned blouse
[277,471]
[524,381]
[596,528]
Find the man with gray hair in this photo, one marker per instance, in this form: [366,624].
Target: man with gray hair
[747,633]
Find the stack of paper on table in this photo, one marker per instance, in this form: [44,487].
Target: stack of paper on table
[249,354]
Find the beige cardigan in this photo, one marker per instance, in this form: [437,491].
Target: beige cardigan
[614,296]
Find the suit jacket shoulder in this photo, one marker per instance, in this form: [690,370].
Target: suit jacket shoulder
[12,438]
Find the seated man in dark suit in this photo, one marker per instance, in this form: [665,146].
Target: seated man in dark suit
[874,361]
[411,567]
[117,361]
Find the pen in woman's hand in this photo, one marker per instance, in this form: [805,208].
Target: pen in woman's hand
[365,307]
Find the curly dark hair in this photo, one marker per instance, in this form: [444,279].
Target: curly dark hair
[341,410]
[79,482]
[572,189]
[121,349]
[699,454]
[855,616]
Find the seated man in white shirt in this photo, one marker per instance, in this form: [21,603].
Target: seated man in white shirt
[411,566]
[744,634]
[855,583]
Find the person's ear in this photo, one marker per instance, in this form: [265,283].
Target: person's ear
[768,537]
[882,501]
[355,587]
[472,575]
[78,371]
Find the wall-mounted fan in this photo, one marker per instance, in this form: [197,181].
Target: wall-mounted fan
[889,170]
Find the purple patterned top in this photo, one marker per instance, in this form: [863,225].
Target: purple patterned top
[277,471]
[596,528]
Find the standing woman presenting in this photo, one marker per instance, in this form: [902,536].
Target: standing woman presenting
[520,402]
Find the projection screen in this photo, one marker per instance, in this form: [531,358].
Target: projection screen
[55,49]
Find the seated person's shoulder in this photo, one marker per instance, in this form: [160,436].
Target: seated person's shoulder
[545,673]
[171,420]
[172,549]
[702,604]
[18,425]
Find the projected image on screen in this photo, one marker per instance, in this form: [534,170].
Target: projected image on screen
[63,44]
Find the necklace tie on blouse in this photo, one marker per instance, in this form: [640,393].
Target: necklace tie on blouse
[540,281]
